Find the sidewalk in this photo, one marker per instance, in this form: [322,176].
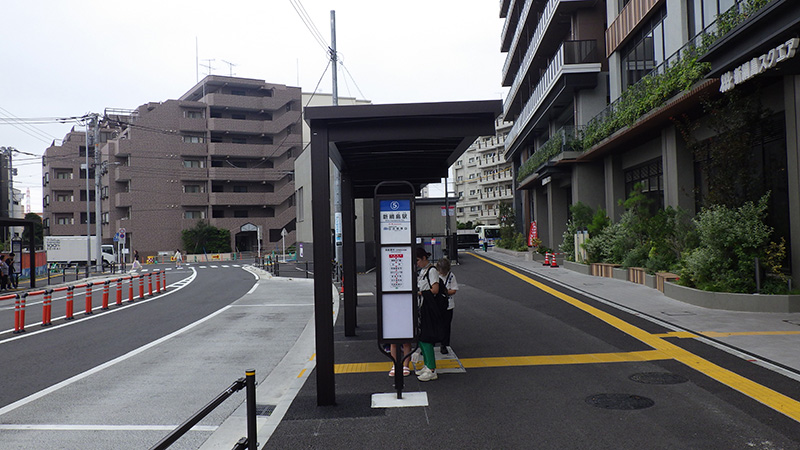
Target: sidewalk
[503,407]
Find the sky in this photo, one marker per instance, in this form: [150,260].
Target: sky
[67,58]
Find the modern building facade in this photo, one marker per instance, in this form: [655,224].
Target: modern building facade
[222,153]
[483,178]
[365,241]
[557,79]
[705,48]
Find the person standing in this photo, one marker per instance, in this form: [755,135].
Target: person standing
[3,273]
[13,277]
[451,286]
[430,320]
[136,263]
[178,258]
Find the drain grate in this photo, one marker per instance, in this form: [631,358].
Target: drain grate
[264,410]
[658,378]
[619,401]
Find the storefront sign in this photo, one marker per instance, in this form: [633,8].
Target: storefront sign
[533,233]
[758,65]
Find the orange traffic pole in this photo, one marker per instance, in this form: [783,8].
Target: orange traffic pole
[69,315]
[130,289]
[150,284]
[164,277]
[105,295]
[119,291]
[16,314]
[88,299]
[22,312]
[48,297]
[158,282]
[141,286]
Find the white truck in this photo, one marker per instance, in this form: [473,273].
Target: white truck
[72,250]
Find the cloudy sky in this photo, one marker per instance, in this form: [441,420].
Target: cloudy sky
[67,58]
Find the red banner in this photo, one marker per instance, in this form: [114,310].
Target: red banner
[533,234]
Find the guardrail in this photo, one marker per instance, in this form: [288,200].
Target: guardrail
[250,442]
[21,300]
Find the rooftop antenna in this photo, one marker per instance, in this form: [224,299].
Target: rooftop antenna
[208,65]
[230,66]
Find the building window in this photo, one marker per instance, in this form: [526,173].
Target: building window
[194,214]
[645,50]
[650,176]
[193,114]
[299,202]
[64,196]
[194,139]
[83,174]
[63,174]
[105,217]
[218,213]
[91,218]
[91,195]
[240,213]
[65,220]
[193,188]
[82,151]
[194,163]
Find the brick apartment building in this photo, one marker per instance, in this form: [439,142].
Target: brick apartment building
[223,153]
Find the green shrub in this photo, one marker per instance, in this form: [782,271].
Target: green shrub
[729,241]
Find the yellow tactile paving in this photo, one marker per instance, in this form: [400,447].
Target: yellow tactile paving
[775,400]
[747,333]
[510,361]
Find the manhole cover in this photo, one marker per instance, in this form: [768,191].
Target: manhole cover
[264,410]
[619,401]
[658,378]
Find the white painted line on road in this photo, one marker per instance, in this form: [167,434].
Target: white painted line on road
[106,365]
[252,289]
[38,427]
[174,287]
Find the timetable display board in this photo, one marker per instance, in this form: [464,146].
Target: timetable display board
[397,283]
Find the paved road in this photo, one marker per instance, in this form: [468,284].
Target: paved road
[535,363]
[120,371]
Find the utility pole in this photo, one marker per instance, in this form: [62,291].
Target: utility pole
[337,175]
[90,143]
[98,222]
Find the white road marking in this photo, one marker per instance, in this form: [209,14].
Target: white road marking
[101,367]
[53,427]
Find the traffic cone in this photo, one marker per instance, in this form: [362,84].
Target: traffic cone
[553,262]
[546,259]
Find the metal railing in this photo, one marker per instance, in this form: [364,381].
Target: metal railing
[248,382]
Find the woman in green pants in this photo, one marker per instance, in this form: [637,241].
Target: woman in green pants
[430,327]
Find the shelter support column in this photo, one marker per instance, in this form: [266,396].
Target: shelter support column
[349,256]
[323,296]
[791,88]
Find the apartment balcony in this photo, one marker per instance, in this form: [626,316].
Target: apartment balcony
[246,198]
[194,199]
[195,149]
[56,207]
[255,127]
[246,150]
[248,103]
[122,173]
[123,199]
[553,23]
[234,174]
[192,124]
[575,66]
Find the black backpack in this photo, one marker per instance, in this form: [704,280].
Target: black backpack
[441,299]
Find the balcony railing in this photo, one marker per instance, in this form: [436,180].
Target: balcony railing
[570,53]
[544,21]
[512,49]
[565,139]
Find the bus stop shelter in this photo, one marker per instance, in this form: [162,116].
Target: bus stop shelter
[369,144]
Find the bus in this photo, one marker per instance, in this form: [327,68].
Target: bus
[487,234]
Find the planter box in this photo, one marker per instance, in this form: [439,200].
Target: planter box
[620,274]
[663,277]
[734,302]
[578,267]
[603,269]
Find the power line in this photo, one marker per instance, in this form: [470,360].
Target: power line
[309,24]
